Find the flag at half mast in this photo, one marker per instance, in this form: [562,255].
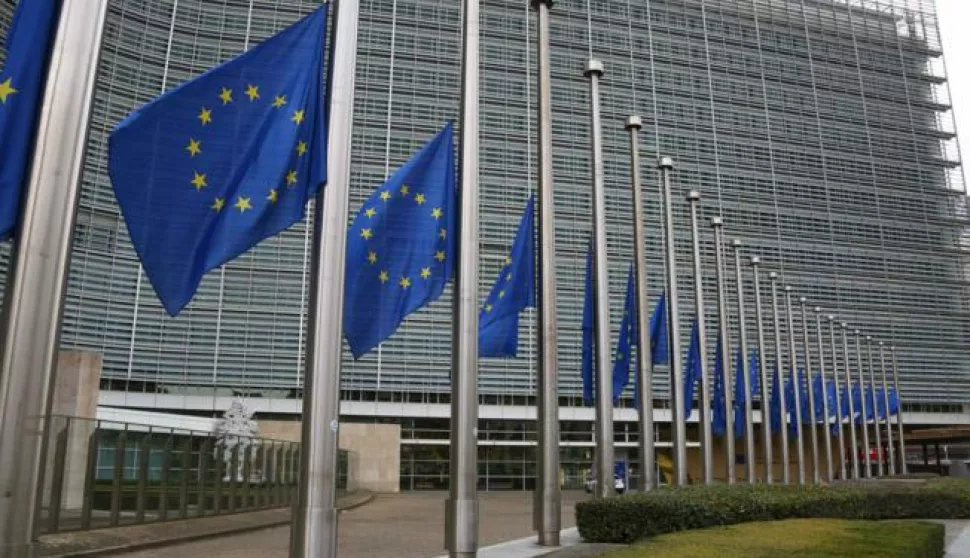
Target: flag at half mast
[211,168]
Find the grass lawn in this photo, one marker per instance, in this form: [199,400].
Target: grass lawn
[797,538]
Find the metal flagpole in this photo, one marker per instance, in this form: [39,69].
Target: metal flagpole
[889,422]
[723,330]
[548,496]
[782,404]
[812,434]
[749,455]
[30,333]
[875,412]
[796,387]
[678,422]
[648,479]
[601,286]
[903,468]
[840,427]
[763,374]
[826,429]
[461,509]
[862,406]
[694,198]
[314,532]
[853,443]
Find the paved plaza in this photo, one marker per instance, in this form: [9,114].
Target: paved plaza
[408,525]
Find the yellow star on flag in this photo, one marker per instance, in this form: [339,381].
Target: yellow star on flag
[425,272]
[194,147]
[301,148]
[199,181]
[404,282]
[384,277]
[218,204]
[252,92]
[226,96]
[419,199]
[405,190]
[436,213]
[273,195]
[298,117]
[370,212]
[279,101]
[443,233]
[242,204]
[508,277]
[6,89]
[366,234]
[488,308]
[439,255]
[291,178]
[372,257]
[385,195]
[501,294]
[205,116]
[508,260]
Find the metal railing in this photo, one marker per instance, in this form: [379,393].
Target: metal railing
[107,474]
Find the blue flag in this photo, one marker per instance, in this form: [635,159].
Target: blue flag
[22,81]
[739,394]
[208,170]
[774,402]
[514,291]
[806,409]
[401,247]
[870,404]
[857,403]
[658,331]
[626,340]
[893,402]
[719,411]
[881,403]
[830,393]
[692,370]
[588,366]
[819,392]
[790,417]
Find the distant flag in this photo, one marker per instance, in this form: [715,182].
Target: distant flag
[881,403]
[588,356]
[626,340]
[513,292]
[719,412]
[893,402]
[658,341]
[211,168]
[401,246]
[807,411]
[790,404]
[739,395]
[818,412]
[22,82]
[775,401]
[692,370]
[658,331]
[857,403]
[870,404]
[830,393]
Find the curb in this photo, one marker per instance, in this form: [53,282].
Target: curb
[357,500]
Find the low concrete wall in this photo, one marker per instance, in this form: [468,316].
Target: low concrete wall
[375,460]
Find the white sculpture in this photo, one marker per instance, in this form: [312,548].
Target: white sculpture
[237,429]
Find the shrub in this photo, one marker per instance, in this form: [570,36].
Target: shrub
[637,516]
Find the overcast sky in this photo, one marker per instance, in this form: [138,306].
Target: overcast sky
[954,17]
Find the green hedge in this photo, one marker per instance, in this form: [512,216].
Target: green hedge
[637,516]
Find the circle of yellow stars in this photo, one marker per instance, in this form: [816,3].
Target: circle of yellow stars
[367,233]
[200,180]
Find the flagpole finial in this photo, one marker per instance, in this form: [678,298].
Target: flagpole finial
[593,67]
[868,338]
[892,348]
[857,332]
[818,309]
[881,343]
[755,260]
[773,276]
[634,122]
[845,325]
[787,288]
[736,243]
[665,162]
[535,3]
[802,300]
[717,222]
[693,196]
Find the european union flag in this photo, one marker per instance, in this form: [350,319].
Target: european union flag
[514,291]
[774,402]
[870,404]
[588,353]
[692,370]
[739,394]
[401,247]
[626,340]
[893,402]
[658,331]
[719,414]
[881,402]
[208,170]
[22,80]
[857,403]
[818,412]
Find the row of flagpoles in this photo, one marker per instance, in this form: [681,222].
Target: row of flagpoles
[414,232]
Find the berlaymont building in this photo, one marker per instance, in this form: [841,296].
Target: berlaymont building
[821,130]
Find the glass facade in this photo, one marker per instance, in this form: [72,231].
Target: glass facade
[820,129]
